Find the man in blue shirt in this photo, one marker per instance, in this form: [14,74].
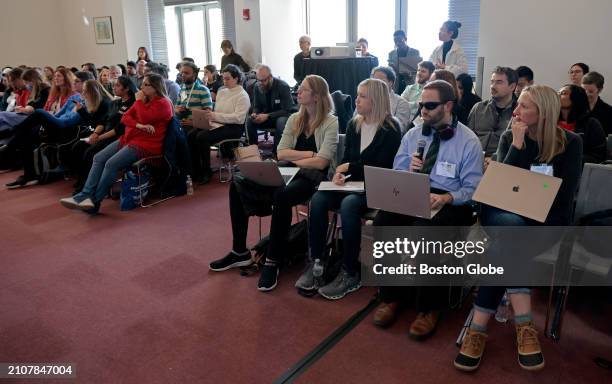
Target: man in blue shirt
[454,162]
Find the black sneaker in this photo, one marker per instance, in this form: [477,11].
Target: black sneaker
[232,260]
[22,181]
[268,278]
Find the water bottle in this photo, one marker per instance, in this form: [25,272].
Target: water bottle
[317,272]
[503,311]
[189,184]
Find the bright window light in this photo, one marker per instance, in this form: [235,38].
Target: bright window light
[424,21]
[327,22]
[376,23]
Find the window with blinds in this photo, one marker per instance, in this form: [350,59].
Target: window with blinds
[467,12]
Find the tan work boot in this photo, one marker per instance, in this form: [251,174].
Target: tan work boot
[472,348]
[385,314]
[529,352]
[424,325]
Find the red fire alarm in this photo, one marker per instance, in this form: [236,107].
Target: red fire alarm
[246,14]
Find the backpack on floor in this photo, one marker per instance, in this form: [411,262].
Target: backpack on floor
[47,164]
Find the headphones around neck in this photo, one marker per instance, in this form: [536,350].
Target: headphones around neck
[446,132]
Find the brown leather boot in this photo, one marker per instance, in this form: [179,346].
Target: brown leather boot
[529,352]
[385,314]
[472,348]
[424,325]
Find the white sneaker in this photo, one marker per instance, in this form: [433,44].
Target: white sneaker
[69,202]
[86,204]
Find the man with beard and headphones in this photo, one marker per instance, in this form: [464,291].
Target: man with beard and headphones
[453,159]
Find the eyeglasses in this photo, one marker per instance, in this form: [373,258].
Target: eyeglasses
[431,105]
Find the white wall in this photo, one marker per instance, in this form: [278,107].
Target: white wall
[548,36]
[248,32]
[36,43]
[278,49]
[136,27]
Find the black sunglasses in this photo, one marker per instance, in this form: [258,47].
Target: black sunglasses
[431,105]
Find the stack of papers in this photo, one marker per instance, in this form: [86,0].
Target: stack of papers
[350,186]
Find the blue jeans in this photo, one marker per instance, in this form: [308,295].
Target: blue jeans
[352,206]
[106,165]
[488,298]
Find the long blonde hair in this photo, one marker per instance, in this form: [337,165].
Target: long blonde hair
[550,137]
[324,106]
[94,93]
[378,93]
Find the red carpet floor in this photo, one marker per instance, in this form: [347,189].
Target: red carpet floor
[128,298]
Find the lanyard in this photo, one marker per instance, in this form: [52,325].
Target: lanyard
[189,97]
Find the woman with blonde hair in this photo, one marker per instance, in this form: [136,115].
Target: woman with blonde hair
[535,138]
[105,80]
[309,142]
[145,128]
[372,138]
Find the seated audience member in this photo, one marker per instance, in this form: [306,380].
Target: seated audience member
[489,119]
[143,54]
[401,50]
[272,105]
[309,141]
[534,138]
[467,97]
[115,72]
[412,93]
[6,94]
[123,69]
[48,73]
[38,92]
[91,68]
[145,128]
[362,45]
[442,74]
[231,57]
[575,117]
[132,72]
[140,72]
[105,80]
[83,152]
[60,127]
[212,80]
[400,109]
[372,138]
[20,91]
[576,72]
[179,79]
[172,88]
[451,142]
[298,59]
[450,55]
[593,83]
[227,122]
[525,78]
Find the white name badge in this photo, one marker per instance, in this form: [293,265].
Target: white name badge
[277,101]
[544,169]
[183,95]
[445,169]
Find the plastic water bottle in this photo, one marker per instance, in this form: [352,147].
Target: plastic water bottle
[503,311]
[317,272]
[189,184]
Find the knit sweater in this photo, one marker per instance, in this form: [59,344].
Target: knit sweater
[231,106]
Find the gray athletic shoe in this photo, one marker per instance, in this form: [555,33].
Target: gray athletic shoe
[307,280]
[342,284]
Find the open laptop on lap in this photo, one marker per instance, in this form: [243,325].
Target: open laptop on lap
[200,121]
[402,192]
[517,190]
[267,173]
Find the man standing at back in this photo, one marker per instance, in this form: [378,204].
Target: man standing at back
[490,118]
[271,105]
[397,57]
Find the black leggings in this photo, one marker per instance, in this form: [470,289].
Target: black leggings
[200,140]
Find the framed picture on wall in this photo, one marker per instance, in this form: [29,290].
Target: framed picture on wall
[103,28]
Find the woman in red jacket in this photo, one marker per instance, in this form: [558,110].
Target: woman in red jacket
[145,127]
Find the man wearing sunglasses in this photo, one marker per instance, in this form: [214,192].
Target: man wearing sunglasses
[453,159]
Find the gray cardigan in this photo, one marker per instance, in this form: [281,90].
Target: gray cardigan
[326,138]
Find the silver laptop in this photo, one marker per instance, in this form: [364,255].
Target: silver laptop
[402,192]
[200,121]
[267,173]
[517,190]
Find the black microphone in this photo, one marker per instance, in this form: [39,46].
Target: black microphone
[420,149]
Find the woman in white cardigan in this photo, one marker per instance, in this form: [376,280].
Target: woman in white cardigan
[449,55]
[226,122]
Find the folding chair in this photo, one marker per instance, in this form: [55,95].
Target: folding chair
[226,162]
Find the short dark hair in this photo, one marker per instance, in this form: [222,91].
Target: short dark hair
[387,71]
[188,59]
[362,40]
[524,71]
[191,65]
[399,32]
[594,78]
[211,68]
[583,66]
[128,84]
[91,67]
[131,64]
[123,68]
[444,88]
[152,65]
[428,65]
[84,76]
[580,103]
[234,71]
[509,72]
[452,26]
[15,73]
[227,44]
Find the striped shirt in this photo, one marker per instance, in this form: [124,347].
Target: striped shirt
[196,96]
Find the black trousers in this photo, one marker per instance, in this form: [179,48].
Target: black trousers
[278,124]
[298,191]
[428,298]
[200,140]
